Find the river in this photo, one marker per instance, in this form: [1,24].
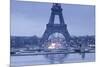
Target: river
[42,59]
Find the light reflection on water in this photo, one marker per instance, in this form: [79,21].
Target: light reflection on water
[56,58]
[50,59]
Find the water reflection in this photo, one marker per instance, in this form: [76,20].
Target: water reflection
[55,46]
[56,43]
[55,58]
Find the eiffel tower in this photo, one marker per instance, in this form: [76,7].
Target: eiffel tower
[51,27]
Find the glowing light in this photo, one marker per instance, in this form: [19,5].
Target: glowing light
[52,46]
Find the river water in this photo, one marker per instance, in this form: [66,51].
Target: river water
[42,59]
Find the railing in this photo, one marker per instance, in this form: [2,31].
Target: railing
[48,52]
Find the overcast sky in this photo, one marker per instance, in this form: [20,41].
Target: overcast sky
[30,18]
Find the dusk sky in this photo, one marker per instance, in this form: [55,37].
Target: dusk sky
[30,18]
